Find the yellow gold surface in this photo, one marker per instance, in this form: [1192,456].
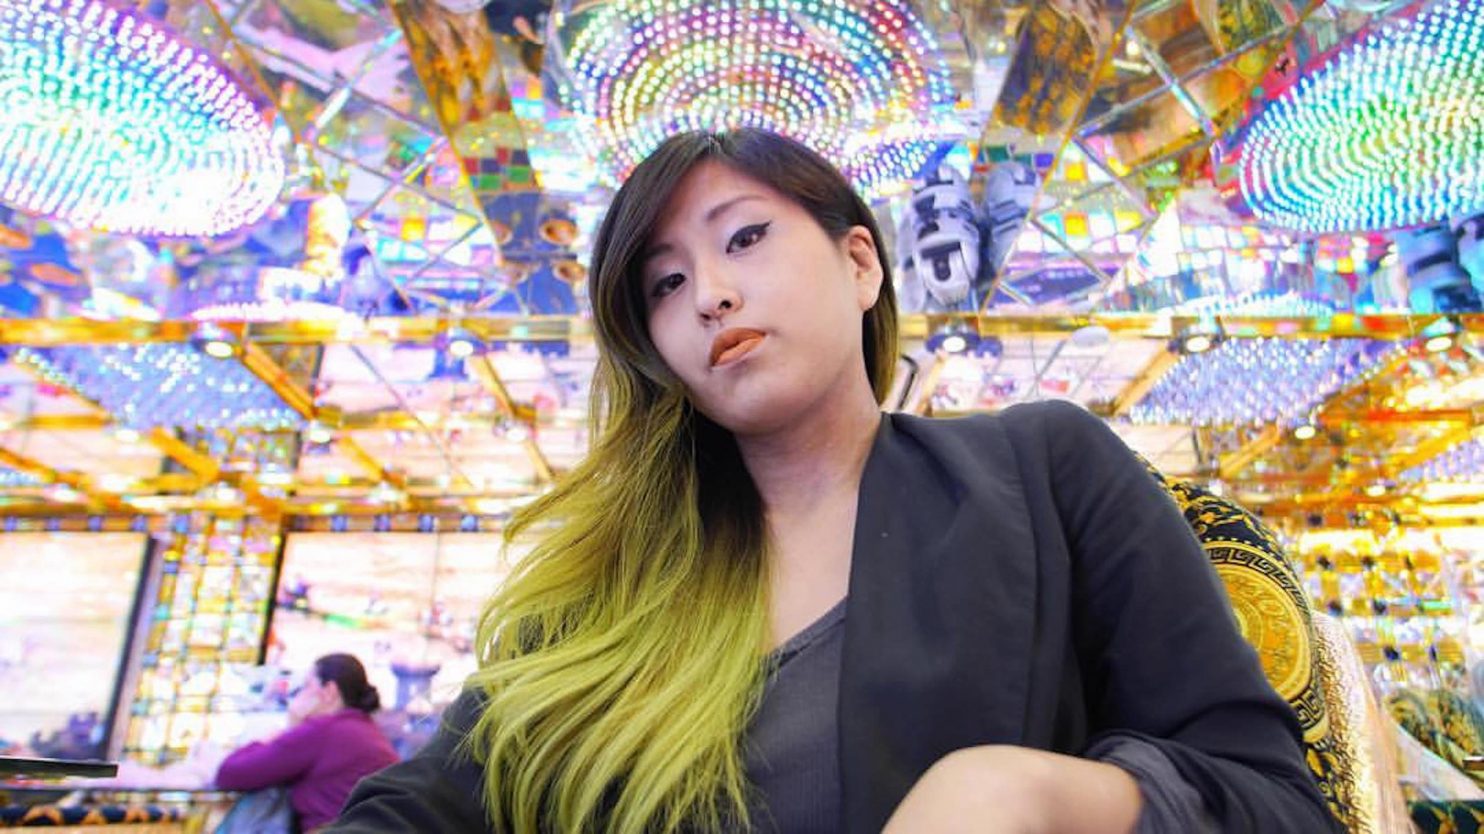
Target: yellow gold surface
[1365,774]
[1273,624]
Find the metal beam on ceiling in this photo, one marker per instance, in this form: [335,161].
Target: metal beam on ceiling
[80,483]
[420,330]
[257,360]
[484,371]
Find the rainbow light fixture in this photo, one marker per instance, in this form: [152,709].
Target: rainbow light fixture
[113,123]
[864,83]
[1386,133]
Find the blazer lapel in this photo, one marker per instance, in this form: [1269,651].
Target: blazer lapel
[942,582]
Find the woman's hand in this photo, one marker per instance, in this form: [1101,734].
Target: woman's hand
[1016,790]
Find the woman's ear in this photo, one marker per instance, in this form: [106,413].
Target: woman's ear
[865,261]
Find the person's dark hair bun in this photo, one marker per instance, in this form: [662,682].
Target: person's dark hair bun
[349,676]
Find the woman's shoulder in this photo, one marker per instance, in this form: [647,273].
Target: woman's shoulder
[339,723]
[1056,420]
[1035,445]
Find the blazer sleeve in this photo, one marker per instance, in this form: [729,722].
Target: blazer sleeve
[438,789]
[1161,655]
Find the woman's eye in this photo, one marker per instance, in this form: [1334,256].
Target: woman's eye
[747,237]
[666,285]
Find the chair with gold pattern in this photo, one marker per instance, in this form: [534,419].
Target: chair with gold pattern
[1308,658]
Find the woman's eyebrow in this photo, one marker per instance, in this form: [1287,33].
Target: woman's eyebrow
[722,208]
[711,216]
[653,252]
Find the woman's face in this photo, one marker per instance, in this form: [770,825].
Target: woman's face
[314,697]
[751,304]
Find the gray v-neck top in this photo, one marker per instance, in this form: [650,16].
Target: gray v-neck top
[792,748]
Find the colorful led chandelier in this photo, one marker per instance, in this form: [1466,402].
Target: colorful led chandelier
[157,385]
[12,479]
[1252,381]
[1387,132]
[864,83]
[1256,304]
[113,123]
[1463,463]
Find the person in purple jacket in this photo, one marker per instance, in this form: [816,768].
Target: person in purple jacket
[331,744]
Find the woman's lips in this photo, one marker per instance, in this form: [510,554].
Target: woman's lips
[733,344]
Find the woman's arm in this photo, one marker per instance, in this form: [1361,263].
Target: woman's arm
[1161,656]
[1186,733]
[436,790]
[1015,790]
[279,761]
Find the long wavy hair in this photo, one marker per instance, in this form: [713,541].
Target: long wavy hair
[625,654]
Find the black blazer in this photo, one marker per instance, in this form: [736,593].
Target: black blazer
[1016,579]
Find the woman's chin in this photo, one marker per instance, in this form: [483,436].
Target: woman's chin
[756,416]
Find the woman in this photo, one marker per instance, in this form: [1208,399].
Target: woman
[1033,640]
[330,745]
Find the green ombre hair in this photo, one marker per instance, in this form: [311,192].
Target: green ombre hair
[625,654]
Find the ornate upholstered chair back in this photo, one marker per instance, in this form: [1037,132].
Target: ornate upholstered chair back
[1317,672]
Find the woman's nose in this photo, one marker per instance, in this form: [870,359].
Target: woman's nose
[716,294]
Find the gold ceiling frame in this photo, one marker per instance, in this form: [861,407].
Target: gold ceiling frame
[489,377]
[434,437]
[575,329]
[202,466]
[263,366]
[369,421]
[1459,425]
[1232,463]
[78,482]
[1159,364]
[1458,431]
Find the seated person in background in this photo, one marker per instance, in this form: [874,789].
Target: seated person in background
[331,743]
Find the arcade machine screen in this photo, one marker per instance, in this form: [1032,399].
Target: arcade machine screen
[406,604]
[65,605]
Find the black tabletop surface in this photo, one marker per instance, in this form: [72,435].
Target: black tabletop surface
[18,766]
